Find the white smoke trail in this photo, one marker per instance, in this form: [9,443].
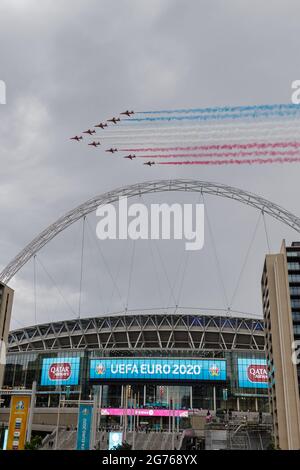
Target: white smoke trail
[205,127]
[218,139]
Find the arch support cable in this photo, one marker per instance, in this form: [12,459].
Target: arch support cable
[204,187]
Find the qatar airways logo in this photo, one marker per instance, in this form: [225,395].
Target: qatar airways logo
[60,371]
[163,222]
[257,373]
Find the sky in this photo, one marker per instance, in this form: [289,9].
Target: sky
[68,65]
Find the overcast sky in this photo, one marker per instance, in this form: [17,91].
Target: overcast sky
[70,64]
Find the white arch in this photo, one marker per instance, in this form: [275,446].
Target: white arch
[216,189]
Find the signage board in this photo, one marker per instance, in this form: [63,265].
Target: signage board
[17,428]
[158,369]
[84,426]
[60,371]
[252,373]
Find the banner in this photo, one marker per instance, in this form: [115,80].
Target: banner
[252,373]
[158,369]
[18,422]
[143,412]
[84,426]
[60,371]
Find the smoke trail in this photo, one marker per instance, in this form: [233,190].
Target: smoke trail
[195,133]
[271,153]
[181,141]
[196,126]
[133,127]
[219,116]
[235,162]
[198,131]
[260,145]
[223,109]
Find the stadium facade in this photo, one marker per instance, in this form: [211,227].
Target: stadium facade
[183,360]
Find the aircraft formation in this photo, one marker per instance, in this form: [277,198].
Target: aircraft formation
[220,135]
[102,125]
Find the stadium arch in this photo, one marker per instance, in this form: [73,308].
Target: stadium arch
[138,189]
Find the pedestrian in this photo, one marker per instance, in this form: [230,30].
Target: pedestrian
[208,416]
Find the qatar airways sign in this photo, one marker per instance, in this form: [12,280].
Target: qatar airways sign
[252,373]
[157,369]
[60,371]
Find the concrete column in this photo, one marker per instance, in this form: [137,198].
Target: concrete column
[122,403]
[214,399]
[31,411]
[238,404]
[94,420]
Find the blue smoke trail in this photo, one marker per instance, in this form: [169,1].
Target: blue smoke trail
[225,109]
[215,117]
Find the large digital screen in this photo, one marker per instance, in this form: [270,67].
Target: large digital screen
[157,369]
[252,373]
[60,371]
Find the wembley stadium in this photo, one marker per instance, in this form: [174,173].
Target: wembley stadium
[194,374]
[92,353]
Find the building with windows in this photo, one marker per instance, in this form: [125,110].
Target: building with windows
[281,306]
[6,301]
[157,361]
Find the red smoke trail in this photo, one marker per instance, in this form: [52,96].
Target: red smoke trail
[234,162]
[259,145]
[271,153]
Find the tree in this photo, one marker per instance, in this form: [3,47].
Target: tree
[34,444]
[123,446]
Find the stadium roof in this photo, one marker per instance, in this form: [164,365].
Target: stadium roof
[169,329]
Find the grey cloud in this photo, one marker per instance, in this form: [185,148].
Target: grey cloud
[70,64]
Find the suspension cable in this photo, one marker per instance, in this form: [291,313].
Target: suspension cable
[186,262]
[130,274]
[99,250]
[114,285]
[181,262]
[34,289]
[166,274]
[98,277]
[81,266]
[246,259]
[164,268]
[266,232]
[55,285]
[156,273]
[217,261]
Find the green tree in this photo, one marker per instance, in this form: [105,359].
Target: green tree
[34,444]
[123,446]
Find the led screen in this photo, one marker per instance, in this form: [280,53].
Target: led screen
[158,369]
[60,371]
[252,373]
